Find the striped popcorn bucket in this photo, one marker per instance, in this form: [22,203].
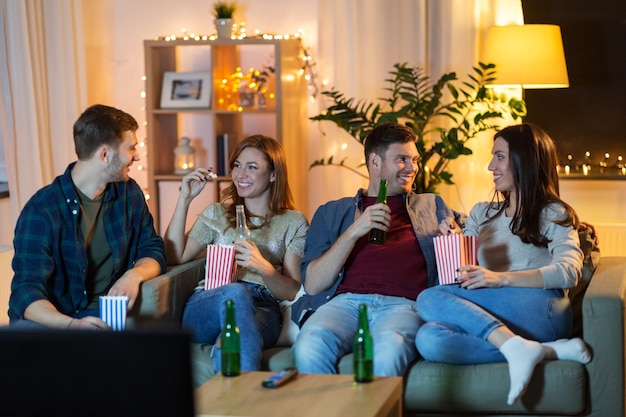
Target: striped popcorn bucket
[113,310]
[221,268]
[452,252]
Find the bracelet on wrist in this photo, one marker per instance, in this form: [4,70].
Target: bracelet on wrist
[70,323]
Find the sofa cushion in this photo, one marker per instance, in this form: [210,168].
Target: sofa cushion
[201,363]
[591,258]
[163,298]
[289,330]
[279,358]
[557,388]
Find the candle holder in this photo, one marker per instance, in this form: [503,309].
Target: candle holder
[184,157]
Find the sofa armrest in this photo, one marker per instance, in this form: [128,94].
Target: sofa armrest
[603,331]
[163,298]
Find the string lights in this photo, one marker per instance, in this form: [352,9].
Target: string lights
[586,167]
[240,32]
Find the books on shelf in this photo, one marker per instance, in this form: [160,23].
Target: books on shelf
[225,143]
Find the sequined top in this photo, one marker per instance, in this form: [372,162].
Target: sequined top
[284,232]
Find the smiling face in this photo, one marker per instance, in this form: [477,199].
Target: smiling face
[252,175]
[500,166]
[398,166]
[122,158]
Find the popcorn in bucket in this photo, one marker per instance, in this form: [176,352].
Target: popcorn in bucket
[113,310]
[221,268]
[452,252]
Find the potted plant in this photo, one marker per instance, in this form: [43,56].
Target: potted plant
[443,115]
[223,12]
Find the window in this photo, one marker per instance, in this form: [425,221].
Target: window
[589,115]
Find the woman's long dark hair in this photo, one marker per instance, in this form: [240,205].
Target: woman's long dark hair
[533,162]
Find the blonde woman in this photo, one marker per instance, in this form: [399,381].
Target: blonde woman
[270,260]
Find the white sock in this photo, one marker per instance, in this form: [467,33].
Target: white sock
[522,356]
[570,349]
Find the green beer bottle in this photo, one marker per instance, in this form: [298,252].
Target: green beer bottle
[376,235]
[231,349]
[363,351]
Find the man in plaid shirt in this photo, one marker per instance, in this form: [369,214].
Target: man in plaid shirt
[87,234]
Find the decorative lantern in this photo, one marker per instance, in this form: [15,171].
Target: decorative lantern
[184,157]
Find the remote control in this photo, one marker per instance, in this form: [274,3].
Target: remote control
[280,379]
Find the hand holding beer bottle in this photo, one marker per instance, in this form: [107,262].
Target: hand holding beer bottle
[378,236]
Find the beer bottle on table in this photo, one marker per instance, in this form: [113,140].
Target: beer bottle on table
[231,349]
[363,350]
[376,235]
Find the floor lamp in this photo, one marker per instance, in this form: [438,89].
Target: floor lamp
[526,56]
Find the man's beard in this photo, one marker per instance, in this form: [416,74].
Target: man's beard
[116,170]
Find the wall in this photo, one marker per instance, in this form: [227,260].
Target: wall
[6,274]
[600,203]
[7,222]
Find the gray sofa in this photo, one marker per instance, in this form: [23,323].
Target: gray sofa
[558,388]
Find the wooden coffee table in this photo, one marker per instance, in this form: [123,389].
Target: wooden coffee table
[309,395]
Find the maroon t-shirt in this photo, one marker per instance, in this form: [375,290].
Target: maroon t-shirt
[396,268]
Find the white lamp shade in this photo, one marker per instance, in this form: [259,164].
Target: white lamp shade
[528,55]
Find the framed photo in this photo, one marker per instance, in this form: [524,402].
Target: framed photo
[186,90]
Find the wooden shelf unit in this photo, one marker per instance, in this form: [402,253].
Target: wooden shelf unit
[284,117]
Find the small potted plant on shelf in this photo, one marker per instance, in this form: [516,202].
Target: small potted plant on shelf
[223,12]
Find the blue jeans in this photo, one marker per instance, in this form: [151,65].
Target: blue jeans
[257,313]
[329,333]
[458,321]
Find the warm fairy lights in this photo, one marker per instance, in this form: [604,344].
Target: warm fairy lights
[587,167]
[246,89]
[307,68]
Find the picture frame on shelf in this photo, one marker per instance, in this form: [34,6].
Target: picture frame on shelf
[186,90]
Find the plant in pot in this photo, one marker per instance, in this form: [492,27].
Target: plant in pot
[223,12]
[444,115]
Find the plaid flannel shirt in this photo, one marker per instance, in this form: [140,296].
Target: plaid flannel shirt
[50,260]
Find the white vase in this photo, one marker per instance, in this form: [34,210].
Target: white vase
[224,28]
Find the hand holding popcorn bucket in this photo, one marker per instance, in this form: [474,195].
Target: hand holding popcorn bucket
[221,268]
[453,251]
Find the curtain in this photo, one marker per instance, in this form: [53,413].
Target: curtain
[360,40]
[43,91]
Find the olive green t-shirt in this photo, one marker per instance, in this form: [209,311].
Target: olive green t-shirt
[100,266]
